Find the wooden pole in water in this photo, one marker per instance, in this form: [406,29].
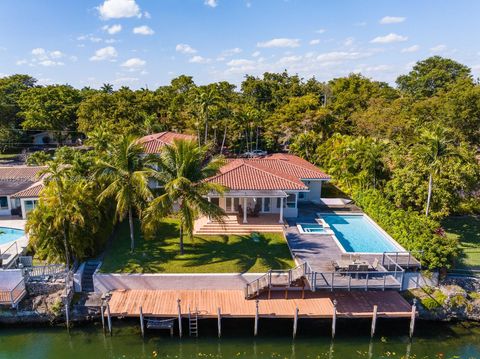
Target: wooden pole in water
[219,315]
[295,322]
[179,318]
[109,319]
[102,312]
[412,318]
[142,328]
[334,318]
[67,315]
[255,330]
[374,321]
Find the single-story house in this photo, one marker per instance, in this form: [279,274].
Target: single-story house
[19,189]
[275,183]
[270,184]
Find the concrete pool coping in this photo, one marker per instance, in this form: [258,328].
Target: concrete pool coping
[373,223]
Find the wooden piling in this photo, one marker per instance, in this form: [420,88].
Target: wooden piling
[295,322]
[67,316]
[179,318]
[412,318]
[142,328]
[102,313]
[109,319]
[334,318]
[255,330]
[374,320]
[219,324]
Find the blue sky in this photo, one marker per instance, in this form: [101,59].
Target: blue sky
[142,43]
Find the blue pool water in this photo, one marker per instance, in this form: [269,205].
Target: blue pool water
[357,234]
[9,234]
[312,228]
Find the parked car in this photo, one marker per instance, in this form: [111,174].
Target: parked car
[255,153]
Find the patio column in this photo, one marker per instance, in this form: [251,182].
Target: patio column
[281,211]
[209,218]
[245,210]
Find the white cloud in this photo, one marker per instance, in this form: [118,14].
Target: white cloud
[40,53]
[413,48]
[199,60]
[281,42]
[185,49]
[392,20]
[21,62]
[240,62]
[111,41]
[50,63]
[211,3]
[123,80]
[320,31]
[340,56]
[106,53]
[289,60]
[89,37]
[439,48]
[349,41]
[390,38]
[143,30]
[314,42]
[113,29]
[231,52]
[117,9]
[147,15]
[134,63]
[56,54]
[256,54]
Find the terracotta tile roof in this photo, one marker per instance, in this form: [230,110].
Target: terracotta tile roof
[153,143]
[32,191]
[25,173]
[244,175]
[14,179]
[273,172]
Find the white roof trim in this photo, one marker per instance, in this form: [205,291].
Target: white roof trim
[251,193]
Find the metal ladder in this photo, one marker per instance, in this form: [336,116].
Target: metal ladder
[193,322]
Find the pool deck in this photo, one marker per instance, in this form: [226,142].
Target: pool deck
[22,242]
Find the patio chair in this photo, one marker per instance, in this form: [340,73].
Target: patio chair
[353,268]
[363,267]
[375,264]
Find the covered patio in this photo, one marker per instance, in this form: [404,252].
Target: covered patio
[252,204]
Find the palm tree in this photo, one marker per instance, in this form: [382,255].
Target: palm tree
[62,194]
[126,173]
[434,150]
[107,88]
[206,99]
[183,168]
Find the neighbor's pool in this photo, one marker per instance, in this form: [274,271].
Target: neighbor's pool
[356,233]
[9,234]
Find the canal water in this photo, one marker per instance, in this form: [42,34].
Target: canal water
[432,340]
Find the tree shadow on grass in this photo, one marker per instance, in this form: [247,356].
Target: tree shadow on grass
[242,250]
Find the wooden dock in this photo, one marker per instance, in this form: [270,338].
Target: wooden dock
[163,304]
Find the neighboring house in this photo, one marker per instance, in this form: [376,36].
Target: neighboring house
[49,138]
[271,184]
[19,189]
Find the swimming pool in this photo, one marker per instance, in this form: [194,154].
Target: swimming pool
[10,234]
[359,234]
[311,228]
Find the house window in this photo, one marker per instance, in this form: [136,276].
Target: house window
[3,203]
[215,200]
[30,205]
[301,195]
[291,200]
[236,204]
[279,202]
[266,204]
[228,203]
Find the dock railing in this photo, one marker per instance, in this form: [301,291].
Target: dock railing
[9,256]
[43,272]
[12,297]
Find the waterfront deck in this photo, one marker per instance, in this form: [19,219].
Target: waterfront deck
[163,304]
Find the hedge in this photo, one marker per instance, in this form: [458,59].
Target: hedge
[412,230]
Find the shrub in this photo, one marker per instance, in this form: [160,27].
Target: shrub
[435,300]
[412,230]
[38,158]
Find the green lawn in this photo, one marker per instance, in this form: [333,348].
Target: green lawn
[467,230]
[205,254]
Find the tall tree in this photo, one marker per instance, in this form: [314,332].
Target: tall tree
[434,149]
[126,175]
[183,168]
